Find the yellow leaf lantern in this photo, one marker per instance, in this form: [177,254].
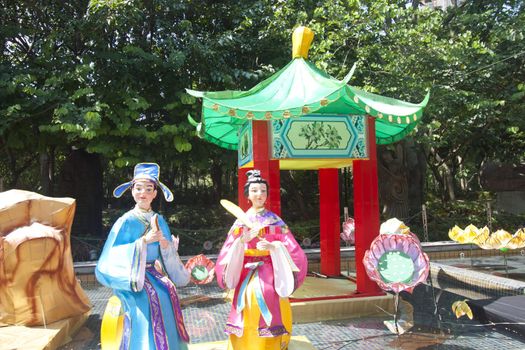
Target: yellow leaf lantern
[500,239]
[461,308]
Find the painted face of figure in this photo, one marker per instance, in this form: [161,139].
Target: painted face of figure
[144,192]
[257,194]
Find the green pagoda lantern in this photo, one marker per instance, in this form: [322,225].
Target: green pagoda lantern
[302,118]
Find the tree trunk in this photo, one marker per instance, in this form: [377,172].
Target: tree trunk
[216,177]
[401,172]
[416,170]
[442,175]
[448,178]
[47,160]
[16,170]
[393,182]
[183,179]
[81,178]
[13,181]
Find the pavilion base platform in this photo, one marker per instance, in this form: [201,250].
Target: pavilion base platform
[323,299]
[297,343]
[41,338]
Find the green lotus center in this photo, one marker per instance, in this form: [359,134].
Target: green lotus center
[396,266]
[200,273]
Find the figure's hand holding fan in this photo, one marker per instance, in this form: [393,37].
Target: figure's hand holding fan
[154,224]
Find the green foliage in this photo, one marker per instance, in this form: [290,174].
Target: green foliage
[471,57]
[472,209]
[109,76]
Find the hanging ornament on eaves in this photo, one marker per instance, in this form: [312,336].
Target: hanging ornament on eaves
[385,116]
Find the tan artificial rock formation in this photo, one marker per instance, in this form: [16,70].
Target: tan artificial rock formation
[37,281]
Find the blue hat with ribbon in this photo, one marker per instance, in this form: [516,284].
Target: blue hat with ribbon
[145,171]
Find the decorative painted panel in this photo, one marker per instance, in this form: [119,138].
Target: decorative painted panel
[320,136]
[245,150]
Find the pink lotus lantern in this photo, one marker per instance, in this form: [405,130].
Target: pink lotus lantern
[348,234]
[202,269]
[396,262]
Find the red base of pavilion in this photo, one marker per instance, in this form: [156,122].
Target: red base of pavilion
[366,204]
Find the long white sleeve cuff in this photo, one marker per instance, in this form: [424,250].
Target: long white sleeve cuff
[283,268]
[233,262]
[174,267]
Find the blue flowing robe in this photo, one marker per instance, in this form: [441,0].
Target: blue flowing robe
[118,269]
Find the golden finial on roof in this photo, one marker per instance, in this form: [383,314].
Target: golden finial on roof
[301,39]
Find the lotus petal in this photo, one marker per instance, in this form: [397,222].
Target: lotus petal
[393,226]
[377,250]
[498,239]
[402,245]
[471,228]
[385,243]
[413,251]
[406,247]
[515,244]
[409,290]
[481,239]
[455,232]
[517,241]
[415,237]
[420,261]
[472,235]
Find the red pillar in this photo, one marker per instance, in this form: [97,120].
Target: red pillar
[366,209]
[269,168]
[329,222]
[274,179]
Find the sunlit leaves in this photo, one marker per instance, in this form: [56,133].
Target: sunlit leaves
[82,92]
[109,75]
[181,144]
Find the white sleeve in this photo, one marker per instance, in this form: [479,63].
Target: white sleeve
[138,273]
[233,262]
[174,267]
[283,268]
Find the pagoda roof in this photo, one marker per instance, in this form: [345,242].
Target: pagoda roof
[300,88]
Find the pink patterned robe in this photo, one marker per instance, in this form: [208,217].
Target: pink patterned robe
[278,273]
